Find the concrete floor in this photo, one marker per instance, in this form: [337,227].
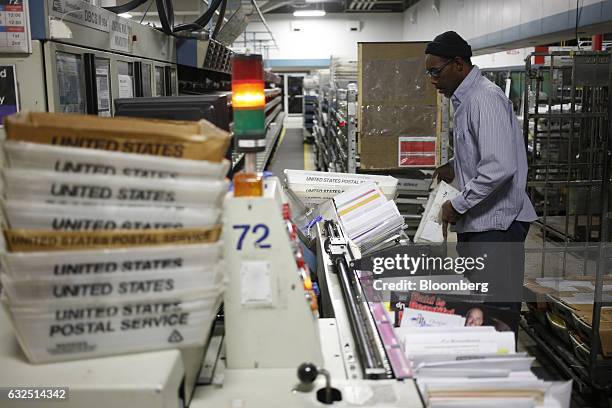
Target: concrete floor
[291,152]
[560,264]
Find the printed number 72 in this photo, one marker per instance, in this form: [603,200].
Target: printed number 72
[265,231]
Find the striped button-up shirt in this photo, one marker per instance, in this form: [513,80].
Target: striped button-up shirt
[490,160]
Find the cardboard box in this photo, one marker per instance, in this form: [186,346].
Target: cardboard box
[397,102]
[585,313]
[185,140]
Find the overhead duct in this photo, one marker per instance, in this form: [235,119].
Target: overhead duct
[235,25]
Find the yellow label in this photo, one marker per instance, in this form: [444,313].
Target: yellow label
[359,204]
[23,240]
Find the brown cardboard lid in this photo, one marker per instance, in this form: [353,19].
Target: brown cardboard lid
[123,125]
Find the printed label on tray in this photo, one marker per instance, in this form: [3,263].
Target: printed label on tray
[132,287]
[125,146]
[186,140]
[69,166]
[77,269]
[32,240]
[71,224]
[70,160]
[104,319]
[74,190]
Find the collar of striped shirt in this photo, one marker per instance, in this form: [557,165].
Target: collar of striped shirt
[466,87]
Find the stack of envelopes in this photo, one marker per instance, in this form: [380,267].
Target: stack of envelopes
[111,229]
[367,216]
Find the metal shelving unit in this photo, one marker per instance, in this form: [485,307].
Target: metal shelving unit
[335,130]
[567,130]
[309,107]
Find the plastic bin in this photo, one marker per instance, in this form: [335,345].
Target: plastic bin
[71,217]
[132,285]
[75,330]
[41,265]
[29,185]
[23,155]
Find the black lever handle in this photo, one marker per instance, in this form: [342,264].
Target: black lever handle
[308,373]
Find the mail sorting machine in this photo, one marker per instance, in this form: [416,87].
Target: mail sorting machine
[275,350]
[370,348]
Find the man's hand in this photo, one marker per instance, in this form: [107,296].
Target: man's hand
[445,173]
[449,216]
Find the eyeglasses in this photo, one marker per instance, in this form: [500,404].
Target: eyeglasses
[436,72]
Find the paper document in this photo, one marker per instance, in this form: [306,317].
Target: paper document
[366,215]
[443,359]
[126,89]
[462,372]
[430,228]
[464,342]
[315,187]
[484,403]
[510,363]
[359,200]
[422,318]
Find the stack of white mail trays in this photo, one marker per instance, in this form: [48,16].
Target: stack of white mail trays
[316,187]
[111,230]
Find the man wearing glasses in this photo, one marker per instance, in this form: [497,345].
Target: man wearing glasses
[493,211]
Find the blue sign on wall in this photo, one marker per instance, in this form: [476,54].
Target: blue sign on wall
[9,102]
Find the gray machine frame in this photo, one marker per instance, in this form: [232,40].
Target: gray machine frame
[36,73]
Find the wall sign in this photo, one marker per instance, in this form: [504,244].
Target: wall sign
[126,87]
[416,151]
[120,36]
[14,26]
[9,100]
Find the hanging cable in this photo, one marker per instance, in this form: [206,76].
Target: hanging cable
[146,11]
[219,20]
[124,8]
[202,20]
[165,11]
[209,13]
[166,15]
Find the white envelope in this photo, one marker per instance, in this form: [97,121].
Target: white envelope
[422,318]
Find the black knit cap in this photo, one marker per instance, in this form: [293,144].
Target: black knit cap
[450,45]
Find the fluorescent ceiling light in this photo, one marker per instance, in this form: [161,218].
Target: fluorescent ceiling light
[309,13]
[125,15]
[315,1]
